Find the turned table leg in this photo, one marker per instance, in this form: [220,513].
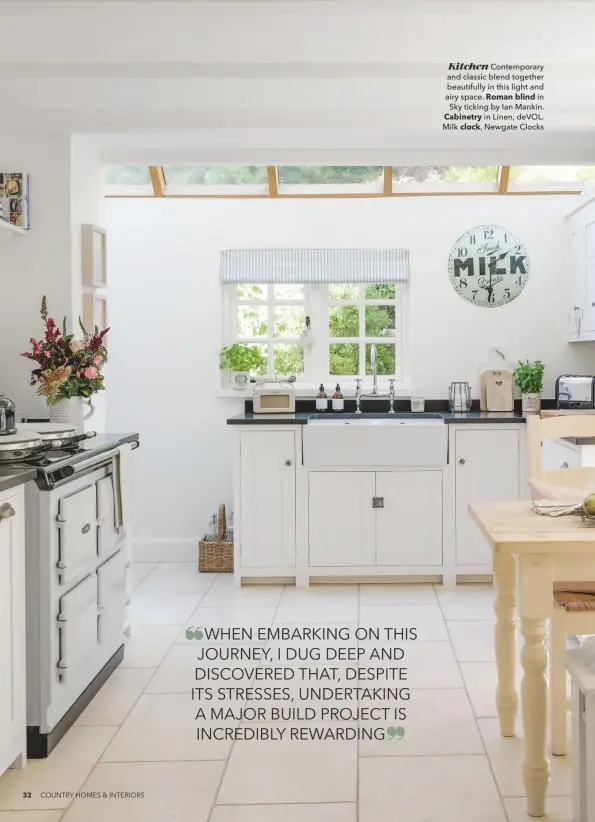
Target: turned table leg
[507,701]
[535,605]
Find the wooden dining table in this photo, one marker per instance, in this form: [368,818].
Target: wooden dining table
[530,553]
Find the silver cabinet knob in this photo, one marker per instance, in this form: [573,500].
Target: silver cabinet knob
[287,462]
[564,465]
[6,511]
[461,462]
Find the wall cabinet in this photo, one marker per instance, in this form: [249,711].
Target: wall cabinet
[486,469]
[267,499]
[580,242]
[13,719]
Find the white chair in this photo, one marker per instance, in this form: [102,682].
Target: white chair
[574,611]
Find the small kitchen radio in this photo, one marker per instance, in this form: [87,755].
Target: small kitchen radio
[274,397]
[574,391]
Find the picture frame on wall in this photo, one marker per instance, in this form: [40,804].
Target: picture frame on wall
[94,251]
[14,199]
[94,311]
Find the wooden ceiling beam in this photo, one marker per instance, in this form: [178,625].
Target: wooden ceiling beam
[503,179]
[388,181]
[273,175]
[157,180]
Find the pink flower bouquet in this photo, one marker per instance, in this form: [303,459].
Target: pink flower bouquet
[67,367]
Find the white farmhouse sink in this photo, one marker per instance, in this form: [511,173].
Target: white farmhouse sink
[372,442]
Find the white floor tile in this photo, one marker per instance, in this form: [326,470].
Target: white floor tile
[318,604]
[139,571]
[224,594]
[428,789]
[162,609]
[162,728]
[429,664]
[31,816]
[64,771]
[467,602]
[559,809]
[397,594]
[506,758]
[473,641]
[114,701]
[344,812]
[426,620]
[176,578]
[148,644]
[438,722]
[173,791]
[290,771]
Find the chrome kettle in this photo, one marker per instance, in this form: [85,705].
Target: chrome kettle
[7,416]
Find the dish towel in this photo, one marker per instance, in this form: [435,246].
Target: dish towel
[123,494]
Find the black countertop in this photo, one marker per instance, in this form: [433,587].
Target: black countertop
[18,474]
[302,417]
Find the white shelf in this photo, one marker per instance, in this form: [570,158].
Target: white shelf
[13,229]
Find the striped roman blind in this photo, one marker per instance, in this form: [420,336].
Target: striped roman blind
[315,265]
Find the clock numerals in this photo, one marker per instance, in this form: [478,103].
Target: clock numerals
[462,252]
[463,282]
[472,239]
[488,233]
[474,294]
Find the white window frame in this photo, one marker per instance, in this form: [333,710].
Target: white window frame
[316,304]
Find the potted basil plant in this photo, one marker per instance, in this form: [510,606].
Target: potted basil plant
[241,360]
[528,376]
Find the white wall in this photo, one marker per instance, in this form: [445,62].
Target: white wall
[165,317]
[66,190]
[36,264]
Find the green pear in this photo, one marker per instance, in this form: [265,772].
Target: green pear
[589,504]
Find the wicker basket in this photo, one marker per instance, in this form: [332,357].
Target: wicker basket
[216,557]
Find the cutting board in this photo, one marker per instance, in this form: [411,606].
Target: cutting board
[496,391]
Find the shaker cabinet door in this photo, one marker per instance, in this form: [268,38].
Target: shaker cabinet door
[267,499]
[409,524]
[342,520]
[486,470]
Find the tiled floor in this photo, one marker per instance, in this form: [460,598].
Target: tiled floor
[138,735]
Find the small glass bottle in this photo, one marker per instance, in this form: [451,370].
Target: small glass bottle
[321,400]
[338,403]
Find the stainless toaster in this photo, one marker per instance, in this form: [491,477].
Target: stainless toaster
[573,391]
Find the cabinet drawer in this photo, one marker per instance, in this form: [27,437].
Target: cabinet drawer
[77,622]
[77,521]
[111,596]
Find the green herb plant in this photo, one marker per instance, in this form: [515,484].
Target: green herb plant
[528,376]
[240,357]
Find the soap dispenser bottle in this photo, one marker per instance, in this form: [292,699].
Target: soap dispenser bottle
[338,403]
[321,400]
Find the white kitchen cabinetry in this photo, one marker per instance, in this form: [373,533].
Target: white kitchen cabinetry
[342,521]
[301,516]
[13,717]
[486,467]
[267,499]
[409,526]
[556,454]
[580,242]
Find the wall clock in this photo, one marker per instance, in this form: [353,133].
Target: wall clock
[488,266]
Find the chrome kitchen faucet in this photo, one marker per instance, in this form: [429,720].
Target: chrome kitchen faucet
[374,395]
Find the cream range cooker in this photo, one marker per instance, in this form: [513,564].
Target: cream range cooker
[77,556]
